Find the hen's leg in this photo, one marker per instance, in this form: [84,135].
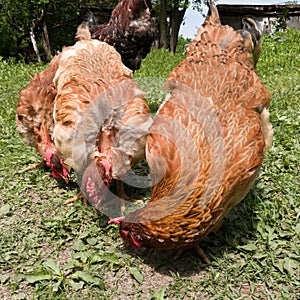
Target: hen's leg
[202,255]
[77,197]
[32,167]
[199,251]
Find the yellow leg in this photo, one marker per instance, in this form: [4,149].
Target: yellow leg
[77,197]
[32,167]
[199,251]
[178,254]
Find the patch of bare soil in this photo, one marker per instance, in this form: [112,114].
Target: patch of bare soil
[159,269]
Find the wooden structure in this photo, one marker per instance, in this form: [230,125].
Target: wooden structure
[265,16]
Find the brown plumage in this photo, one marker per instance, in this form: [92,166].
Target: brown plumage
[34,117]
[101,117]
[130,30]
[206,143]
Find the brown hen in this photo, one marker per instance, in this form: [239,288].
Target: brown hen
[206,144]
[101,117]
[130,30]
[34,118]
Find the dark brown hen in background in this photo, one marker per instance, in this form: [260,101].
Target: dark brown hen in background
[130,31]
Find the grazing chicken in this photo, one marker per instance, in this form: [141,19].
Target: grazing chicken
[34,118]
[252,37]
[206,143]
[101,117]
[130,30]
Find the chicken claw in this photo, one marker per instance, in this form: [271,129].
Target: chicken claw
[77,197]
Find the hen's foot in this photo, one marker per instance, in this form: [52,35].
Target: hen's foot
[75,198]
[32,167]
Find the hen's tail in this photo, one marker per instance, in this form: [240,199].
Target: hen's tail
[212,31]
[252,38]
[213,15]
[138,7]
[83,33]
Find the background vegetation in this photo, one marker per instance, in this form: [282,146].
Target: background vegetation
[57,18]
[52,24]
[53,251]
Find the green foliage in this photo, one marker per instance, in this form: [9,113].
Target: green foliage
[282,18]
[181,4]
[53,251]
[151,76]
[155,68]
[293,2]
[61,18]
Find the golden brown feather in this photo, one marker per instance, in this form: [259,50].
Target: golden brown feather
[34,117]
[34,113]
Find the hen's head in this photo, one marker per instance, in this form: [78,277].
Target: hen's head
[95,180]
[56,164]
[129,232]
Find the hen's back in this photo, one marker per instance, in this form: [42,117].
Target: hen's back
[216,99]
[85,70]
[97,95]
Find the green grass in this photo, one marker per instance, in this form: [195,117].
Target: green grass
[53,251]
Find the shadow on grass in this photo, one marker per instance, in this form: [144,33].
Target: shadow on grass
[238,228]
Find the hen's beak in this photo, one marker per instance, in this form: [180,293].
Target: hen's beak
[66,179]
[59,175]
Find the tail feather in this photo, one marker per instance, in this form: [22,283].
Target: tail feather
[227,38]
[138,7]
[250,22]
[250,31]
[83,32]
[212,31]
[213,15]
